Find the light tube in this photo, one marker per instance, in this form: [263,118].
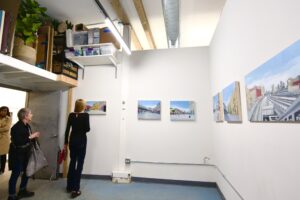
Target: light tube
[117,35]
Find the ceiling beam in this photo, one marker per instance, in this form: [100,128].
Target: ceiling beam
[143,18]
[123,17]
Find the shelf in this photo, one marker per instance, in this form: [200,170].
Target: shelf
[20,75]
[94,45]
[95,60]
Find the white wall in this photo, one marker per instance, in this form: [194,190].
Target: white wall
[99,83]
[14,100]
[165,75]
[261,160]
[174,74]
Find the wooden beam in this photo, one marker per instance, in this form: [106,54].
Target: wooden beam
[123,17]
[142,15]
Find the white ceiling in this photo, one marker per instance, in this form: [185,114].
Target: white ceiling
[198,18]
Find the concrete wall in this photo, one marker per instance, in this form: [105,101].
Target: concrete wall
[45,107]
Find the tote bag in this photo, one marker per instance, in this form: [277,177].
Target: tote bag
[36,160]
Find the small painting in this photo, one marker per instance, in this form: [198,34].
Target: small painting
[232,103]
[273,89]
[182,110]
[96,107]
[218,110]
[149,109]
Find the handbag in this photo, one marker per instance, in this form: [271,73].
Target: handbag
[36,160]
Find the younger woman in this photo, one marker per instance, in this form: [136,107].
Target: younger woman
[79,122]
[5,124]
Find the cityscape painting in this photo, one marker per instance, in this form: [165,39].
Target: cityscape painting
[95,107]
[149,110]
[182,110]
[273,89]
[218,110]
[232,103]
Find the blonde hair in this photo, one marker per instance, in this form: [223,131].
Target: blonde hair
[79,105]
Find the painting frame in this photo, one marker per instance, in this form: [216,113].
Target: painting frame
[149,110]
[218,110]
[273,88]
[182,110]
[95,107]
[232,103]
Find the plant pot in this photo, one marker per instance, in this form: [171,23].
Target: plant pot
[24,53]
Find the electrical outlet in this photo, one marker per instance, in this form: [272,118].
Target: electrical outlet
[127,161]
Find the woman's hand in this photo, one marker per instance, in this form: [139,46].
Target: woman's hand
[34,135]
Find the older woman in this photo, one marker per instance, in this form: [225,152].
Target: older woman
[5,124]
[19,152]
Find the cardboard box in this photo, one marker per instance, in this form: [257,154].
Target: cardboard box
[106,36]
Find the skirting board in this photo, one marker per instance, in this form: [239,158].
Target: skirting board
[176,182]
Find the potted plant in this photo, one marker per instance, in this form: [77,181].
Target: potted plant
[30,18]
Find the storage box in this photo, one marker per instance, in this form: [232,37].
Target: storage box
[67,68]
[107,49]
[80,38]
[94,36]
[106,36]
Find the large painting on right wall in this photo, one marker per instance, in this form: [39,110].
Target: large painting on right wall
[273,89]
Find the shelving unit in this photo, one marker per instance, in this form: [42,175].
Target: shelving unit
[20,75]
[96,60]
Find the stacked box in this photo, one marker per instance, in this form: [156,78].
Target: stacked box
[67,69]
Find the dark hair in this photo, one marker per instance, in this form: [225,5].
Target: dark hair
[5,108]
[22,113]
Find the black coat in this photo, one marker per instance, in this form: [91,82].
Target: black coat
[20,146]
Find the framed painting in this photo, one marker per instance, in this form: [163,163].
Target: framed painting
[149,110]
[96,107]
[218,110]
[273,89]
[182,110]
[232,103]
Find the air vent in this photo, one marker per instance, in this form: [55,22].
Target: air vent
[171,16]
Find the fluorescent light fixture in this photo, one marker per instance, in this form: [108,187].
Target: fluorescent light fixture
[113,29]
[117,35]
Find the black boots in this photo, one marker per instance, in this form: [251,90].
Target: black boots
[13,198]
[24,193]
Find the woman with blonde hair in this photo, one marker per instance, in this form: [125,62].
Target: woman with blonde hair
[79,123]
[5,124]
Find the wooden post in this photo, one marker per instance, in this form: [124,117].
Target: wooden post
[65,166]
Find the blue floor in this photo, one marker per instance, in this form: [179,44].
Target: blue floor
[106,190]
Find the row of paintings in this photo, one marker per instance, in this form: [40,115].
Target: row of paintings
[179,110]
[272,91]
[150,110]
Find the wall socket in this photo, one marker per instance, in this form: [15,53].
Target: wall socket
[127,161]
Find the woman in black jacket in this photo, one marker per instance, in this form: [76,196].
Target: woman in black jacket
[19,151]
[79,123]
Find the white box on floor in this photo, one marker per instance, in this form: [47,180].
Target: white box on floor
[121,177]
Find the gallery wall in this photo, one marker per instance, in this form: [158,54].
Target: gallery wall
[260,160]
[165,75]
[99,84]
